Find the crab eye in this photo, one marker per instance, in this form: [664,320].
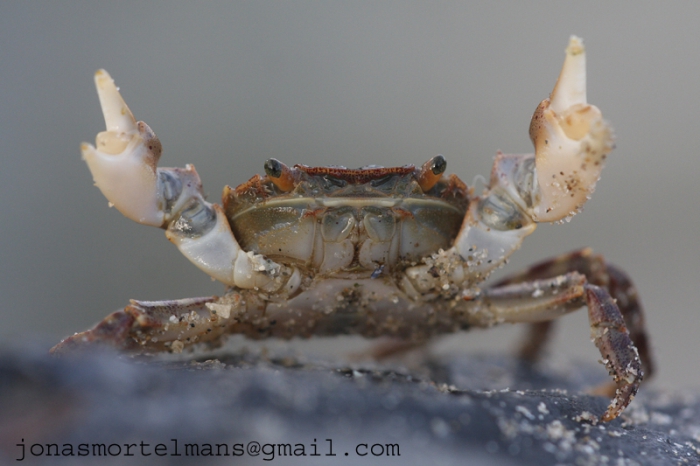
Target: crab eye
[273,168]
[431,171]
[279,174]
[438,164]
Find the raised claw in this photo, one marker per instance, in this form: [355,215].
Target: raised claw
[571,142]
[124,166]
[123,163]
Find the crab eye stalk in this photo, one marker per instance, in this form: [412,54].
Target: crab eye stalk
[431,171]
[279,174]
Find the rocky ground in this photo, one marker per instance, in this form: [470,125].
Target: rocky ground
[270,408]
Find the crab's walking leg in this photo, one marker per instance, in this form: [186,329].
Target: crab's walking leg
[599,273]
[621,357]
[146,326]
[543,300]
[535,340]
[124,167]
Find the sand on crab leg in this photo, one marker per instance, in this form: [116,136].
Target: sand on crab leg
[539,301]
[598,272]
[151,326]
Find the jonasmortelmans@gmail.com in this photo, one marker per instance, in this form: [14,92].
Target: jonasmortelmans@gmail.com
[266,451]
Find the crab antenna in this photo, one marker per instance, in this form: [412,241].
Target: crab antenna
[279,174]
[430,172]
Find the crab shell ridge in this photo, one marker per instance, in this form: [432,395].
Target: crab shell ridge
[336,220]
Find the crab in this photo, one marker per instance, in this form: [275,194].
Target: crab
[400,252]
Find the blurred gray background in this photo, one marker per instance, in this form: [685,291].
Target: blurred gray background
[226,85]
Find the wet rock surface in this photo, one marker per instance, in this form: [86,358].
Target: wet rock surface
[457,410]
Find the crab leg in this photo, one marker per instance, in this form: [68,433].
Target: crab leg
[571,142]
[154,326]
[124,167]
[543,300]
[621,357]
[599,273]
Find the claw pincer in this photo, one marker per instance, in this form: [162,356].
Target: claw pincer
[124,165]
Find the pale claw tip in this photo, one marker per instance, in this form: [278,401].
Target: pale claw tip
[571,85]
[575,46]
[117,115]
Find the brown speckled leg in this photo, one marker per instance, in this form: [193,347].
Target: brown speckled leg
[621,358]
[535,340]
[146,326]
[112,331]
[542,300]
[616,282]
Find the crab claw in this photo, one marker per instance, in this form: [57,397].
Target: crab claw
[571,142]
[123,164]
